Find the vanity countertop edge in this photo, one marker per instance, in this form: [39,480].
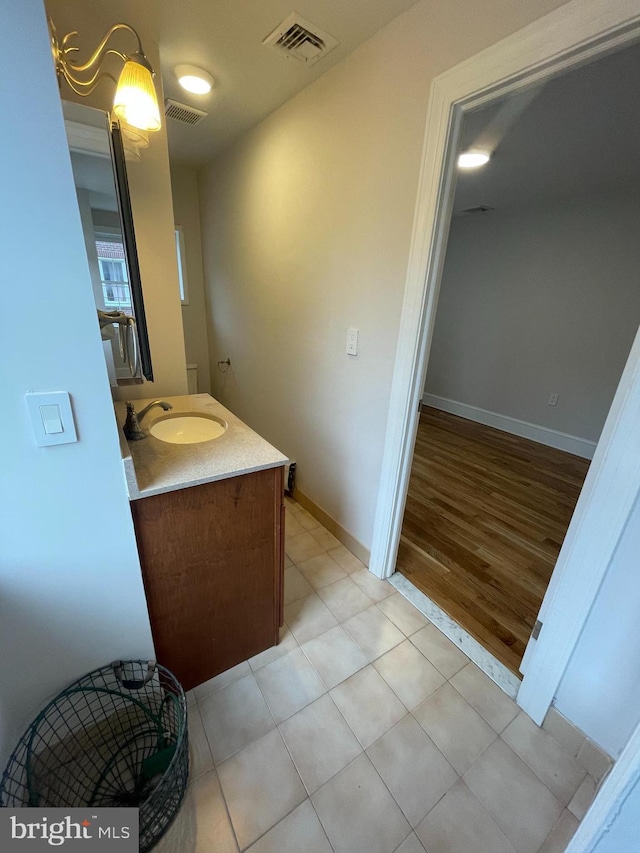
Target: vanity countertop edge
[153,467]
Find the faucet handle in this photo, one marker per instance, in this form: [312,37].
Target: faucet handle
[131,428]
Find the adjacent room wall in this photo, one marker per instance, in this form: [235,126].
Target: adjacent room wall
[186,211]
[306,229]
[536,300]
[600,690]
[149,185]
[72,596]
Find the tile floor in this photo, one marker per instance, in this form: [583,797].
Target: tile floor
[367,730]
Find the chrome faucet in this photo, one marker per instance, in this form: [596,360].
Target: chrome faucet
[132,429]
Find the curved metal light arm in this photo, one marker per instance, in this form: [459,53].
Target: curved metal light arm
[70,70]
[99,52]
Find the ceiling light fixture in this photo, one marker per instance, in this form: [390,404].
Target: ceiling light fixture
[135,101]
[194,79]
[473,159]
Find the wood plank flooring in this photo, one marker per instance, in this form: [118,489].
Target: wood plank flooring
[485,518]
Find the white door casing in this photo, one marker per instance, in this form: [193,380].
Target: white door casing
[572,35]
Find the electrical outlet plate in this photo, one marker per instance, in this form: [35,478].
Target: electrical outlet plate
[553,399]
[352,341]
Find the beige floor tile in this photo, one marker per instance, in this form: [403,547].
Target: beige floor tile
[334,656]
[489,700]
[308,617]
[320,742]
[223,680]
[543,754]
[202,824]
[437,648]
[358,790]
[583,798]
[234,717]
[302,547]
[321,571]
[411,844]
[292,526]
[457,730]
[403,614]
[287,561]
[563,731]
[295,585]
[344,599]
[324,538]
[307,521]
[287,644]
[261,786]
[368,705]
[412,768]
[373,632]
[409,674]
[345,558]
[299,832]
[594,760]
[289,684]
[200,758]
[561,834]
[523,807]
[372,586]
[461,824]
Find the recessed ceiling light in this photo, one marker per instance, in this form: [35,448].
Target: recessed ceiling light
[472,159]
[194,79]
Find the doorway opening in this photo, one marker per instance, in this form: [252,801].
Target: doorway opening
[537,312]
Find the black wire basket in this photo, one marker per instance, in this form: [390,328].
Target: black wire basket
[117,737]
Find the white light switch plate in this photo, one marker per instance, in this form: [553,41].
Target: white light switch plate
[51,417]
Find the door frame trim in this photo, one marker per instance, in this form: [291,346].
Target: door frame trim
[572,35]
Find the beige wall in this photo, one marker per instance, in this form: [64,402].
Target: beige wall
[536,300]
[149,185]
[306,229]
[186,211]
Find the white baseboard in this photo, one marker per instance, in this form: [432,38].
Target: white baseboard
[543,435]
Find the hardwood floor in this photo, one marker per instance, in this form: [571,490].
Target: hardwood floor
[485,518]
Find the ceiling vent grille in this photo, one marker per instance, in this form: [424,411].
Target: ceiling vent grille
[298,39]
[481,208]
[183,112]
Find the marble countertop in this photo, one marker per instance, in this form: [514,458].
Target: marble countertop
[152,467]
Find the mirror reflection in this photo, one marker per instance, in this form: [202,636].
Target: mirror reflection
[97,158]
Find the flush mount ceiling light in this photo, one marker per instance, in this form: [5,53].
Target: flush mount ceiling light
[194,79]
[473,159]
[135,101]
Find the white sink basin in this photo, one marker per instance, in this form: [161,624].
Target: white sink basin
[188,428]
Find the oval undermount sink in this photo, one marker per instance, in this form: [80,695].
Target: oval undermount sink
[188,428]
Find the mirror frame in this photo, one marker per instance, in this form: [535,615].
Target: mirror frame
[128,233]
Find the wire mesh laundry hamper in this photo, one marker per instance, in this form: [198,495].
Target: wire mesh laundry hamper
[117,737]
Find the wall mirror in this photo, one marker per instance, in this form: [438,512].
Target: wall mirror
[99,170]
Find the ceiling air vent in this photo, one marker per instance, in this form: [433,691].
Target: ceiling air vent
[481,208]
[298,39]
[183,112]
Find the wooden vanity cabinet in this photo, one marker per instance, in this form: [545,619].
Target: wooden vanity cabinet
[212,562]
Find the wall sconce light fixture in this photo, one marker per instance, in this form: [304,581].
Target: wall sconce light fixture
[135,100]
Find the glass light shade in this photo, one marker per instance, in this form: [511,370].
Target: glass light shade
[136,101]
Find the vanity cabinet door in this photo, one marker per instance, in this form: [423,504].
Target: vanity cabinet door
[212,564]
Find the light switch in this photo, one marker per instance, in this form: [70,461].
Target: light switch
[51,417]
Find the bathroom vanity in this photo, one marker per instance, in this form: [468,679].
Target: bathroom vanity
[209,521]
